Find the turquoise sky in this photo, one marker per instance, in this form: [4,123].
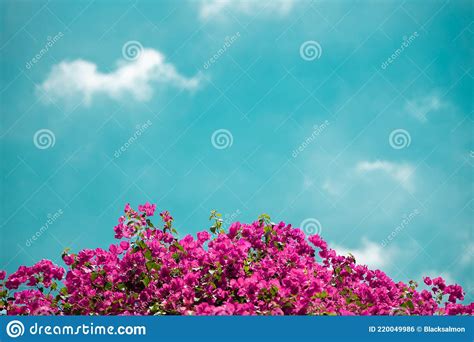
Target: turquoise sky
[350,119]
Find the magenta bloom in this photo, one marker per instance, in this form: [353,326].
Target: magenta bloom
[439,282]
[147,208]
[124,245]
[260,268]
[165,215]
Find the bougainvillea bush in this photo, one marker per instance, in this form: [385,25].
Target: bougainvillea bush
[252,269]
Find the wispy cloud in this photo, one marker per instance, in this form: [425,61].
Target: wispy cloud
[369,253]
[341,183]
[218,8]
[401,173]
[80,80]
[421,107]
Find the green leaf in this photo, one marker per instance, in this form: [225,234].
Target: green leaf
[321,295]
[264,218]
[148,255]
[142,244]
[175,256]
[408,304]
[151,265]
[146,280]
[280,245]
[246,269]
[178,245]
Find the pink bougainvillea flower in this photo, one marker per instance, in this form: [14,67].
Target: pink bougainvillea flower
[165,215]
[147,208]
[124,245]
[261,268]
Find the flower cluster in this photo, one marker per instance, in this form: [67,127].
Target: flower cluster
[260,268]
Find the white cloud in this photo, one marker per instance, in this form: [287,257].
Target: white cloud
[80,79]
[401,173]
[212,8]
[370,253]
[340,184]
[420,108]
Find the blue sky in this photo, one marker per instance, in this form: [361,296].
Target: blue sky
[350,119]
